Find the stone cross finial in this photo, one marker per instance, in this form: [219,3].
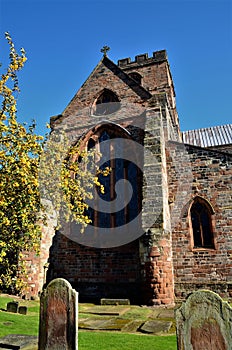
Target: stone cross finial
[104,50]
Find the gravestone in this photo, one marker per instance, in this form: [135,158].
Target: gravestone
[204,322]
[12,306]
[22,310]
[58,329]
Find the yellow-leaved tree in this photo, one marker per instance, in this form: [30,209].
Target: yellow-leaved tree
[19,195]
[23,180]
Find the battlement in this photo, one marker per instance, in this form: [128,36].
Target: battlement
[158,56]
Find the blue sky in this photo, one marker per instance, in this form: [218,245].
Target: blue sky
[63,39]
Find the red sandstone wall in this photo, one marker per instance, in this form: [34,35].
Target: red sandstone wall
[97,273]
[202,268]
[142,273]
[223,148]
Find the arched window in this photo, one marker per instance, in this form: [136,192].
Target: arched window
[120,169]
[136,76]
[201,223]
[106,103]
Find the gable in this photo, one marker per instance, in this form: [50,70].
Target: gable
[109,76]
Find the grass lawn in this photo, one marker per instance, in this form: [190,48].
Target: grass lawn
[119,341]
[11,323]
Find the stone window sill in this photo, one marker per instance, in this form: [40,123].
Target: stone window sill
[202,249]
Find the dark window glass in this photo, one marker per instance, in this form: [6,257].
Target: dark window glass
[201,224]
[91,144]
[120,169]
[136,76]
[107,103]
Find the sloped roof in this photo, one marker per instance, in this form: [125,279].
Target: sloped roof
[123,76]
[209,137]
[133,84]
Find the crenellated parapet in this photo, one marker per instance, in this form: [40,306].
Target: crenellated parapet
[158,56]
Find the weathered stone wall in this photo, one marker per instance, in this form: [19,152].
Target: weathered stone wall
[223,148]
[32,264]
[211,179]
[37,264]
[145,270]
[157,257]
[103,77]
[97,273]
[156,78]
[154,71]
[78,116]
[140,271]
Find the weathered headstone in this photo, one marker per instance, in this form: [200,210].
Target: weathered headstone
[22,310]
[12,306]
[58,328]
[204,322]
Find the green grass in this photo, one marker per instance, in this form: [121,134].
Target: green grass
[11,323]
[18,324]
[118,341]
[33,306]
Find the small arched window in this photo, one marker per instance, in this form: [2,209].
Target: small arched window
[136,76]
[201,223]
[106,103]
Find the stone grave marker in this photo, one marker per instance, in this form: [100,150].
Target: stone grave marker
[22,310]
[58,329]
[12,306]
[204,322]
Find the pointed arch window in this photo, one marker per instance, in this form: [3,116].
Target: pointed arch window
[106,103]
[201,223]
[120,169]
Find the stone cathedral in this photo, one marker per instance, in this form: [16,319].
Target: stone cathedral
[178,220]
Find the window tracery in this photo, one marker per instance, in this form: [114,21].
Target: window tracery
[121,169]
